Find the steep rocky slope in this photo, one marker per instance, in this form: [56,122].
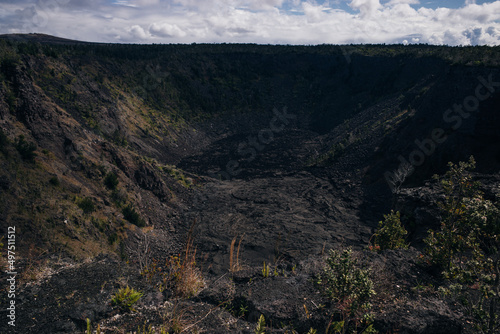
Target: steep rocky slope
[288,148]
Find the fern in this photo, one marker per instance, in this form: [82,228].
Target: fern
[125,299]
[261,325]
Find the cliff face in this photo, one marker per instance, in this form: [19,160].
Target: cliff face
[294,147]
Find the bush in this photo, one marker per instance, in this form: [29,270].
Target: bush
[132,216]
[112,238]
[456,232]
[350,289]
[126,298]
[119,196]
[87,205]
[111,181]
[467,246]
[390,233]
[54,180]
[179,273]
[3,143]
[26,149]
[8,66]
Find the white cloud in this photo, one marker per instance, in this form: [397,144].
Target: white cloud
[486,12]
[402,2]
[261,4]
[138,32]
[166,30]
[365,7]
[255,21]
[124,3]
[147,2]
[313,13]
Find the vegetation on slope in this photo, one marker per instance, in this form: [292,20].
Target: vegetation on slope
[91,135]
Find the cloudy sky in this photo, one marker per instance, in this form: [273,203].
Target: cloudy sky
[452,22]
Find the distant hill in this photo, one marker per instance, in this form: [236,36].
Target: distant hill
[41,38]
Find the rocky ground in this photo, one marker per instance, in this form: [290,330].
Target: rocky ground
[288,216]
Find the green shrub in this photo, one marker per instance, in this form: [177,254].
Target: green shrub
[3,142]
[119,138]
[112,238]
[178,175]
[350,289]
[87,205]
[8,66]
[467,247]
[54,180]
[132,216]
[126,298]
[390,233]
[119,196]
[26,149]
[111,181]
[456,232]
[11,100]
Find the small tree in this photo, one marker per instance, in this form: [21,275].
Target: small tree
[455,233]
[130,214]
[87,205]
[4,141]
[467,246]
[111,181]
[26,149]
[390,233]
[350,289]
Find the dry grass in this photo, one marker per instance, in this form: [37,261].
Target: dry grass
[180,317]
[35,272]
[234,264]
[188,278]
[175,318]
[36,268]
[179,272]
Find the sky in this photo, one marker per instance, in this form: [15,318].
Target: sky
[449,22]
